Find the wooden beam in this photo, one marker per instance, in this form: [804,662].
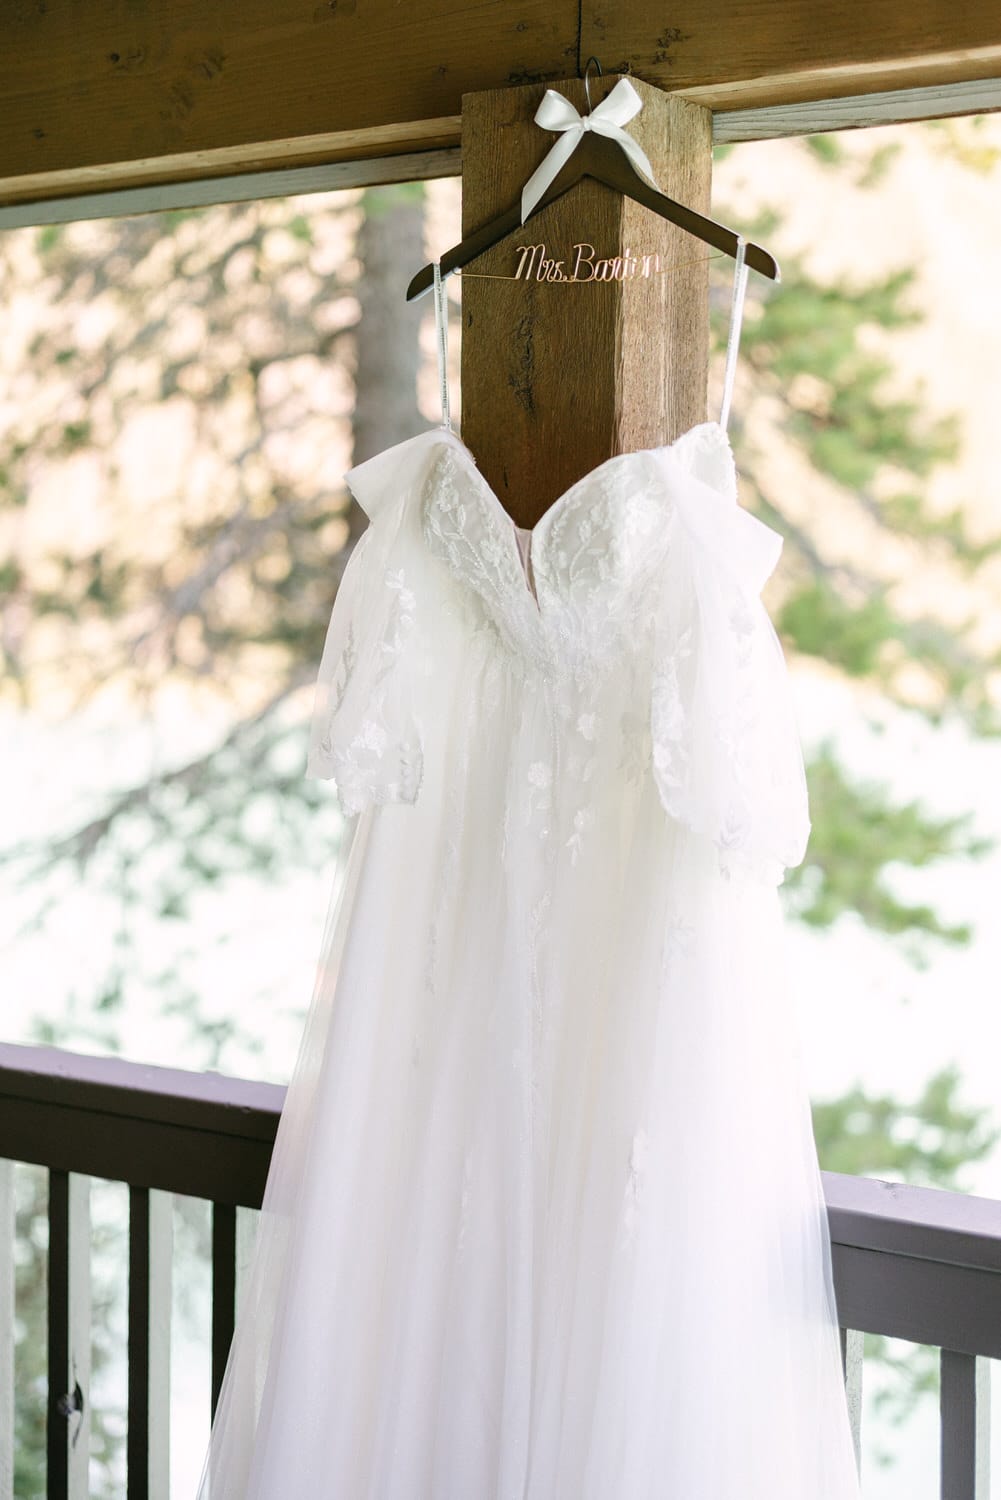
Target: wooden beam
[121,96]
[858,111]
[556,378]
[242,187]
[213,86]
[733,54]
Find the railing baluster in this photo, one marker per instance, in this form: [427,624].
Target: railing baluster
[966,1415]
[223,1290]
[852,1344]
[6,1330]
[68,1421]
[150,1257]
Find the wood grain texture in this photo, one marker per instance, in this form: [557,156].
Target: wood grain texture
[735,53]
[557,378]
[132,80]
[133,92]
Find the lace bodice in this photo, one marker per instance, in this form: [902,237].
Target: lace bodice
[632,607]
[571,596]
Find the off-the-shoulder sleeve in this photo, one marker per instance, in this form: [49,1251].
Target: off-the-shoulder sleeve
[364,732]
[727,758]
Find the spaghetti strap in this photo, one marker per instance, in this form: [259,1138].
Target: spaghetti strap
[736,313]
[441,343]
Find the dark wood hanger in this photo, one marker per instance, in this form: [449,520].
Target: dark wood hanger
[598,157]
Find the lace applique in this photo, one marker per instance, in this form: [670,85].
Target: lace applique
[679,938]
[706,452]
[646,565]
[583,819]
[460,527]
[638,1160]
[361,765]
[596,548]
[539,799]
[668,718]
[636,747]
[592,555]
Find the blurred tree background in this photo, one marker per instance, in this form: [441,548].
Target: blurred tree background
[180,395]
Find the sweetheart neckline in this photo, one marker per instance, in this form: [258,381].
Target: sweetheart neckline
[526,560]
[445,434]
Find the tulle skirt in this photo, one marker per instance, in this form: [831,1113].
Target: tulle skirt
[544,1219]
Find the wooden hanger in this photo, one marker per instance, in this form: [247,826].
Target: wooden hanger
[598,157]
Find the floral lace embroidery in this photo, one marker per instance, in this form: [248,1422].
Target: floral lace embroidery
[723,757]
[592,555]
[360,765]
[460,526]
[668,720]
[638,1160]
[539,798]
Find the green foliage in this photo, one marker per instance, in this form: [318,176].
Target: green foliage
[48,237]
[818,621]
[825,353]
[827,149]
[878,164]
[928,1140]
[847,425]
[959,138]
[906,514]
[858,837]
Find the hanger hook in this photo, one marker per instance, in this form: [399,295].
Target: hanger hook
[587,80]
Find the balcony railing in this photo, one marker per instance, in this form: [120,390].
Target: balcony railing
[913,1263]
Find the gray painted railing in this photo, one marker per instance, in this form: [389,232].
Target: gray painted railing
[913,1263]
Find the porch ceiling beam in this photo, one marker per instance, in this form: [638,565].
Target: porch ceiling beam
[133,93]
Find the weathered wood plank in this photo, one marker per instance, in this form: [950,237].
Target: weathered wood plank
[132,83]
[162,191]
[156,197]
[339,159]
[858,111]
[733,54]
[556,378]
[123,95]
[965,1402]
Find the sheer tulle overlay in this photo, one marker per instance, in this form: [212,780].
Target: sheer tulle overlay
[544,1219]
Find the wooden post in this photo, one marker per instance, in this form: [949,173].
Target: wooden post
[557,378]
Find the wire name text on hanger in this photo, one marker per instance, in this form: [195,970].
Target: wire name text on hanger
[535,264]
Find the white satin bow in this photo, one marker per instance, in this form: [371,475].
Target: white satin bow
[607,118]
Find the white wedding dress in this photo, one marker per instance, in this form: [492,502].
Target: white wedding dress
[544,1219]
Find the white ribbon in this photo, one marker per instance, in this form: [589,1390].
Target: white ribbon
[557,113]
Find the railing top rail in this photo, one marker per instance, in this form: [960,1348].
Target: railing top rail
[902,1219]
[210,1134]
[140,1091]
